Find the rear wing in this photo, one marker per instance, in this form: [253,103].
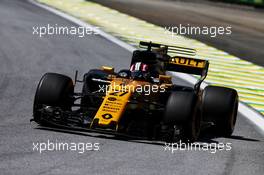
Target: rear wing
[167,49]
[189,66]
[181,63]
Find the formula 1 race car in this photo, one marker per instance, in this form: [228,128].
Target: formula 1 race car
[141,101]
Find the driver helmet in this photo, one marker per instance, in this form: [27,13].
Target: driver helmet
[139,70]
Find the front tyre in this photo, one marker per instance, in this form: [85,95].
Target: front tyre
[53,90]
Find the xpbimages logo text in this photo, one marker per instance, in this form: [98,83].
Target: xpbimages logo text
[209,147]
[212,31]
[79,147]
[142,89]
[78,31]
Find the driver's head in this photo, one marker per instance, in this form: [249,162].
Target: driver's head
[139,70]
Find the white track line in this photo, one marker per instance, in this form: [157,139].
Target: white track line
[249,113]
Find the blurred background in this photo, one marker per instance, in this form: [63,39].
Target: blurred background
[246,17]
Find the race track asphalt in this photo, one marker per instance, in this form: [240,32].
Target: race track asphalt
[25,57]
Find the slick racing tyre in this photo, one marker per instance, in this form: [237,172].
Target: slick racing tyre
[181,110]
[220,105]
[53,90]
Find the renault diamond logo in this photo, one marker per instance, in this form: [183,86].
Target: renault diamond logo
[107,116]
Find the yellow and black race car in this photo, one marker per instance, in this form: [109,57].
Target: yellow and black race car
[141,101]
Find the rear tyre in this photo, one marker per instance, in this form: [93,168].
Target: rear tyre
[181,110]
[220,106]
[53,90]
